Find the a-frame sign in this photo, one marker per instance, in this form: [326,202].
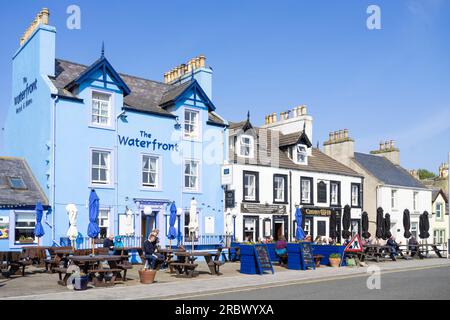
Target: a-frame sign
[354,245]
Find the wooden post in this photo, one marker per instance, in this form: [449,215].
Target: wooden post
[93,253]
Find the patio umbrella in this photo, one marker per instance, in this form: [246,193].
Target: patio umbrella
[129,227]
[72,233]
[172,219]
[406,223]
[333,225]
[424,226]
[38,229]
[387,226]
[299,234]
[193,223]
[346,223]
[93,228]
[365,225]
[380,223]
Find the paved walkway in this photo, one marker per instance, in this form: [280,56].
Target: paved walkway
[199,285]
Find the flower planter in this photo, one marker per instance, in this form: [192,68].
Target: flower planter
[294,257]
[335,262]
[248,259]
[272,253]
[147,276]
[326,250]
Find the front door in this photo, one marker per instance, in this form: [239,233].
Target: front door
[251,229]
[148,223]
[321,227]
[280,227]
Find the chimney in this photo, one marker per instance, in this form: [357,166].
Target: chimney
[340,146]
[292,121]
[195,67]
[389,151]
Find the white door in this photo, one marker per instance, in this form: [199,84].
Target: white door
[321,227]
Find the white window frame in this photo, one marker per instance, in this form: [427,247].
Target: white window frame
[196,135]
[250,145]
[415,198]
[158,184]
[277,186]
[394,199]
[108,219]
[439,236]
[298,153]
[334,195]
[197,188]
[415,228]
[111,113]
[302,191]
[441,207]
[109,183]
[247,187]
[356,195]
[13,234]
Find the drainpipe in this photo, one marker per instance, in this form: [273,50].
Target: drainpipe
[53,137]
[291,225]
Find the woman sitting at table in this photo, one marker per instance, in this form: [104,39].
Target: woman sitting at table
[318,240]
[154,259]
[281,250]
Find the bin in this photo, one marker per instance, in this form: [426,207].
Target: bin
[81,283]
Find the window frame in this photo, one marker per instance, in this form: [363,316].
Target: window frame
[159,179]
[97,184]
[305,162]
[197,188]
[251,146]
[197,125]
[394,199]
[358,185]
[338,184]
[415,200]
[441,206]
[322,183]
[285,186]
[311,190]
[111,113]
[100,225]
[256,174]
[15,214]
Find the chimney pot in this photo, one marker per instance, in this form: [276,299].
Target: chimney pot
[202,61]
[336,136]
[386,145]
[274,117]
[345,133]
[331,136]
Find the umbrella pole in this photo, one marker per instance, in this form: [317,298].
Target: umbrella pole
[93,253]
[170,244]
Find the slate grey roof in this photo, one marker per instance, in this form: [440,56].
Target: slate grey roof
[317,162]
[13,198]
[387,172]
[146,95]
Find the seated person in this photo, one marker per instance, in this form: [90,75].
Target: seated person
[394,245]
[308,238]
[412,245]
[109,243]
[318,240]
[154,259]
[331,241]
[280,249]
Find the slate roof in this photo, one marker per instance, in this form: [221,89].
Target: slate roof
[14,198]
[146,95]
[317,162]
[387,172]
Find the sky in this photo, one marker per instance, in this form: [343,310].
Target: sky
[271,56]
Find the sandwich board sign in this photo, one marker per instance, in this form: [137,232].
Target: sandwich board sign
[354,245]
[262,258]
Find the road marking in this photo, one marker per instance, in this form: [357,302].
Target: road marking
[298,282]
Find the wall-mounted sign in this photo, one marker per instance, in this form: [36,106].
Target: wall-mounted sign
[146,141]
[227,175]
[324,212]
[229,199]
[262,208]
[23,100]
[4,227]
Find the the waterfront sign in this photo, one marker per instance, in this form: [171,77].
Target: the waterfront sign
[146,141]
[22,101]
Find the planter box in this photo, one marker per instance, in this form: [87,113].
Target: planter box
[326,250]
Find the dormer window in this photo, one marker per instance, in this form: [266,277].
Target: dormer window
[301,155]
[101,109]
[246,146]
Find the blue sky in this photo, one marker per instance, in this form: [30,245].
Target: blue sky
[270,56]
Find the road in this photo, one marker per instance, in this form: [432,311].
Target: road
[422,283]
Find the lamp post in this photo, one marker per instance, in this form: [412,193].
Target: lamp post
[234,227]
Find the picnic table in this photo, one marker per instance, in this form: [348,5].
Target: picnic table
[421,250]
[94,268]
[12,261]
[378,252]
[185,263]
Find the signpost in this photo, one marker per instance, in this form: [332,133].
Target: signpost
[354,245]
[262,258]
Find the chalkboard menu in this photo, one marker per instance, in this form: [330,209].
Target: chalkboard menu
[307,256]
[262,258]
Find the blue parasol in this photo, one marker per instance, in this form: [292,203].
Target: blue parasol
[94,206]
[299,234]
[38,229]
[172,219]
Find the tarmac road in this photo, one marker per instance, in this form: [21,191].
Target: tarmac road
[423,283]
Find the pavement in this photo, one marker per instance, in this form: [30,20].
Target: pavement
[230,285]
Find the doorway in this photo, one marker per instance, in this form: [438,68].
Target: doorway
[280,227]
[321,227]
[251,229]
[148,223]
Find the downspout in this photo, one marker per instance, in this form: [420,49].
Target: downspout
[290,220]
[55,100]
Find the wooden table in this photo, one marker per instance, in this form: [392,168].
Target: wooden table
[422,250]
[91,266]
[378,252]
[186,262]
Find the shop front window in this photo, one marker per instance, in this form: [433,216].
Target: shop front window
[103,223]
[24,227]
[250,229]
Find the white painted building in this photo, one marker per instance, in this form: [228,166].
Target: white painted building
[386,183]
[273,169]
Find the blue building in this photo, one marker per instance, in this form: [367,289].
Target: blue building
[141,144]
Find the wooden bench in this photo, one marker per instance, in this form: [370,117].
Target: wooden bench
[125,266]
[18,261]
[103,282]
[184,267]
[214,265]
